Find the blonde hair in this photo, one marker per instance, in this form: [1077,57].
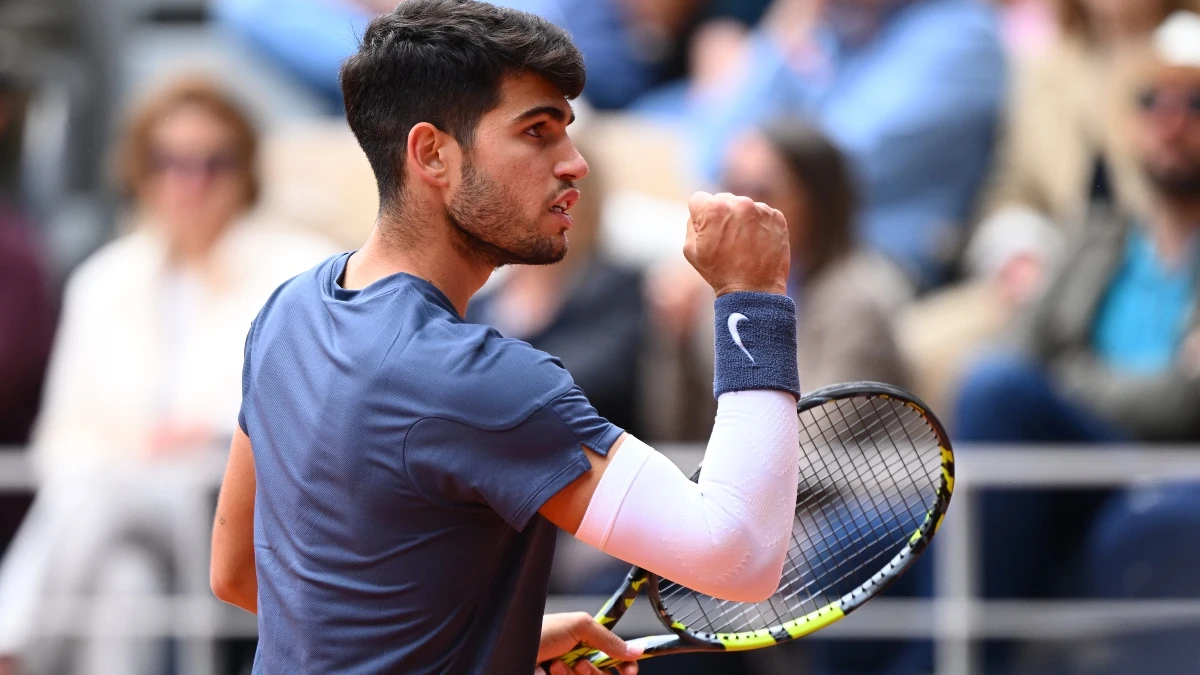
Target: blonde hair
[133,155]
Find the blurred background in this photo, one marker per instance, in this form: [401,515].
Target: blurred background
[993,204]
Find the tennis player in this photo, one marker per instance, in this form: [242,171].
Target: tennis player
[394,485]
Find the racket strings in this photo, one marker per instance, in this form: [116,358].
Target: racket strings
[869,474]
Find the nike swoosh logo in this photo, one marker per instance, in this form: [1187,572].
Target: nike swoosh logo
[734,319]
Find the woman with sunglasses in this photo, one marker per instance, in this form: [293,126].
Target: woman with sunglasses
[145,376]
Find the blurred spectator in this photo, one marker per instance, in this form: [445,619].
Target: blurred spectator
[307,38]
[26,309]
[587,311]
[1065,148]
[1028,26]
[1112,346]
[26,326]
[629,46]
[153,323]
[1111,352]
[910,89]
[844,295]
[1065,151]
[145,373]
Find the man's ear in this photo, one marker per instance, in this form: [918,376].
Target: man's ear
[429,154]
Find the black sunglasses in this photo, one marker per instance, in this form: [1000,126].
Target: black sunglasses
[1156,100]
[206,165]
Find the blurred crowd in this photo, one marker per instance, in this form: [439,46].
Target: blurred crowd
[993,204]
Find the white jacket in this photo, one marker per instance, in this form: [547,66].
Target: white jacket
[140,345]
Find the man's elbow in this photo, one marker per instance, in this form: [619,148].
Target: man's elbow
[755,585]
[753,572]
[233,588]
[223,586]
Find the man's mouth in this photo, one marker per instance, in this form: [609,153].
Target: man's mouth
[565,201]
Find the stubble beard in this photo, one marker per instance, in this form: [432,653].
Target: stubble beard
[491,230]
[1181,185]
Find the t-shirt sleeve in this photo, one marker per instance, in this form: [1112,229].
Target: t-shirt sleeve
[511,470]
[245,381]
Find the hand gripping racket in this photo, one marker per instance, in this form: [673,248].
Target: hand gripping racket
[876,474]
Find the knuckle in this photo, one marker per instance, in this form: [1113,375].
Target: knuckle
[743,202]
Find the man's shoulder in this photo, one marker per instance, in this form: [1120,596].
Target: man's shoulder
[471,374]
[299,289]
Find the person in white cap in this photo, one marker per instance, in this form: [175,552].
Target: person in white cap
[1111,351]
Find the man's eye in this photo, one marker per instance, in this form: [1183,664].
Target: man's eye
[537,130]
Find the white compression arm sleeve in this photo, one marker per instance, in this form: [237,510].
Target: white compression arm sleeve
[726,535]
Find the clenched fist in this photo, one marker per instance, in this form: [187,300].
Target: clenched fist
[737,244]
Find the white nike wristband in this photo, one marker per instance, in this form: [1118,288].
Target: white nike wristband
[726,535]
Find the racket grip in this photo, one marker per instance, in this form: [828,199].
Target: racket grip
[570,658]
[599,658]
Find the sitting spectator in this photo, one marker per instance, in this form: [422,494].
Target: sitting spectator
[1064,153]
[26,308]
[909,89]
[587,311]
[1111,352]
[153,324]
[26,327]
[146,372]
[1112,349]
[844,295]
[1065,150]
[629,46]
[1027,26]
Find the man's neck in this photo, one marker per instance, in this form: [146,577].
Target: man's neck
[434,258]
[1175,225]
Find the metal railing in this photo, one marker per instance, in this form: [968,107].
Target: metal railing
[956,619]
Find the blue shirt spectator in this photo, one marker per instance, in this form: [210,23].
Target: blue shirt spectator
[1142,322]
[308,38]
[915,104]
[311,38]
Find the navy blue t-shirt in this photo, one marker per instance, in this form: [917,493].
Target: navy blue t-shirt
[402,456]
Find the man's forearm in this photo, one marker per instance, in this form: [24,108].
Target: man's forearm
[725,535]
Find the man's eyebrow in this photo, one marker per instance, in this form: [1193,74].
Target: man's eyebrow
[553,111]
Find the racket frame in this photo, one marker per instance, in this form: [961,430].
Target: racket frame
[684,640]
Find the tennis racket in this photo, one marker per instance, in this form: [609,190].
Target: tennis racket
[876,474]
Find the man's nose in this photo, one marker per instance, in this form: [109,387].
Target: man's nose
[574,168]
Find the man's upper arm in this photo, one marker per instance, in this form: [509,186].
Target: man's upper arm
[566,508]
[233,528]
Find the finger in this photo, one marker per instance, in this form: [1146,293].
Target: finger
[630,668]
[689,244]
[586,668]
[559,668]
[596,636]
[698,200]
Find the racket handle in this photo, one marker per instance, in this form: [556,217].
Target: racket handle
[602,660]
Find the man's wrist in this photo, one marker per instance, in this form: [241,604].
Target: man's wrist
[755,343]
[779,288]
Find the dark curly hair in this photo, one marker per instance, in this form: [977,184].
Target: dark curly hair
[442,62]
